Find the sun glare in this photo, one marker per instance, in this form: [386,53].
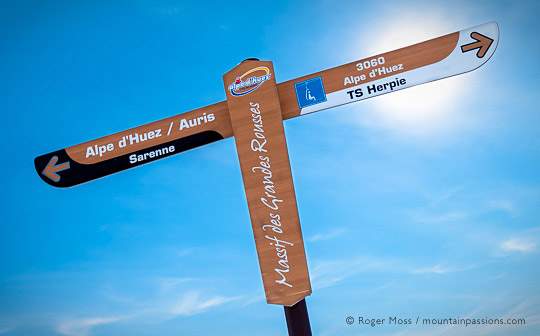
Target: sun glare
[424,109]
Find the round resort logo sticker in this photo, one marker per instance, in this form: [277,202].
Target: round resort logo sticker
[249,81]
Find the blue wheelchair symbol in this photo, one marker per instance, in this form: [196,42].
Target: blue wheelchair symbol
[310,92]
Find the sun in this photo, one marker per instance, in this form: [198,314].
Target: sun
[426,109]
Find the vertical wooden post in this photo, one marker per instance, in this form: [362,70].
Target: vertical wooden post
[256,119]
[298,319]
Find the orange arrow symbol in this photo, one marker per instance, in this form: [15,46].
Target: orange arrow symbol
[51,169]
[482,44]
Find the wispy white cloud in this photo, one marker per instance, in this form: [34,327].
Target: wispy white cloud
[166,305]
[192,303]
[440,269]
[334,233]
[328,273]
[167,284]
[156,299]
[184,252]
[521,245]
[84,326]
[256,297]
[177,296]
[180,296]
[444,196]
[4,329]
[523,242]
[503,205]
[437,218]
[435,269]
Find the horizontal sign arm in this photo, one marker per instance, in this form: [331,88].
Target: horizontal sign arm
[424,62]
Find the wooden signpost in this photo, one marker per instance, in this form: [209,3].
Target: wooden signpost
[253,103]
[253,113]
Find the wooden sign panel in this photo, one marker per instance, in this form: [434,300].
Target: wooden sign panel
[134,147]
[255,114]
[424,62]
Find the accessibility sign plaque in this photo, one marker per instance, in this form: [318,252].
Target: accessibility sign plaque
[310,92]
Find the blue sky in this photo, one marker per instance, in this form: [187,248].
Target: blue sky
[424,202]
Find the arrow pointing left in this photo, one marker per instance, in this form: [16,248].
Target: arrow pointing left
[51,170]
[439,58]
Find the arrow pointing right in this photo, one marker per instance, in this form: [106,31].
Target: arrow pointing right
[482,43]
[51,170]
[348,83]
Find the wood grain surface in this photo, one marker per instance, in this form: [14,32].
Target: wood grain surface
[262,150]
[423,62]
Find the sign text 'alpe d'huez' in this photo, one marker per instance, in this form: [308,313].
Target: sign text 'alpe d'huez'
[253,113]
